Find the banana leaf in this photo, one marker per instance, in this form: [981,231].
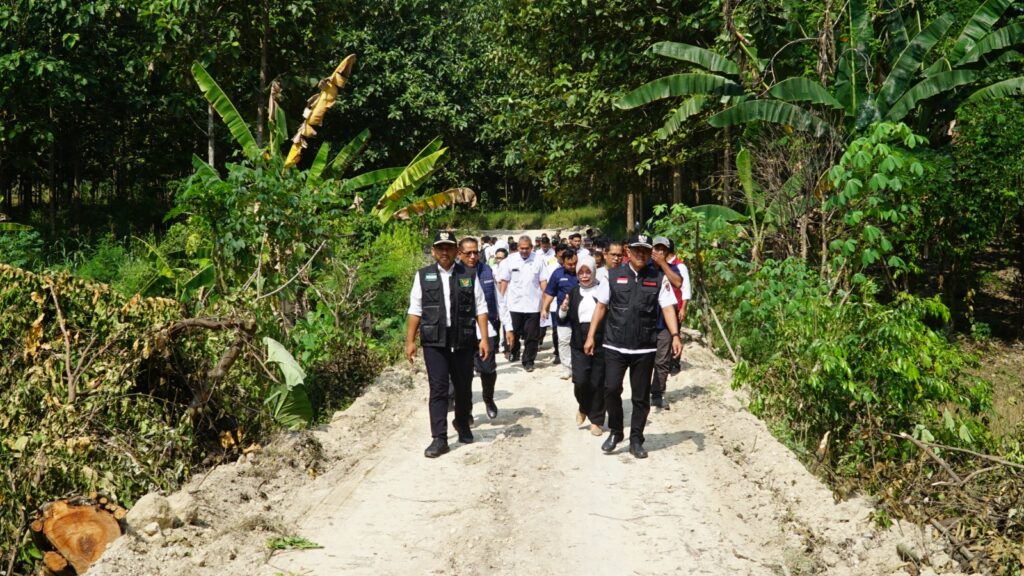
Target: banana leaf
[1003,38]
[774,111]
[926,89]
[372,178]
[347,154]
[278,131]
[688,108]
[1006,88]
[412,177]
[319,163]
[979,26]
[227,111]
[895,27]
[290,402]
[898,80]
[14,227]
[800,89]
[718,212]
[450,197]
[429,149]
[712,61]
[678,85]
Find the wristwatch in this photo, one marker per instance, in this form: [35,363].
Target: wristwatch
[676,335]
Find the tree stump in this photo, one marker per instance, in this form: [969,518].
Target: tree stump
[78,533]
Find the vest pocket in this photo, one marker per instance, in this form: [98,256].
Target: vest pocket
[429,333]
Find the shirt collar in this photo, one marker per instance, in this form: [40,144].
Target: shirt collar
[448,271]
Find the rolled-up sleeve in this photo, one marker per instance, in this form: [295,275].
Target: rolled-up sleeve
[602,293]
[416,297]
[667,297]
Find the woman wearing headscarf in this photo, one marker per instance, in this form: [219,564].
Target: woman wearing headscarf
[587,371]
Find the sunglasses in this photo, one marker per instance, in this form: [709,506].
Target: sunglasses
[471,252]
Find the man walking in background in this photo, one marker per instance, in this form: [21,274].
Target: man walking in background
[447,309]
[559,283]
[612,259]
[634,298]
[487,367]
[664,249]
[519,282]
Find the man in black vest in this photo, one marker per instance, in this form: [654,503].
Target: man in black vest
[446,308]
[635,296]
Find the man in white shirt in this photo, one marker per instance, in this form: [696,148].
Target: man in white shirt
[635,296]
[520,280]
[448,311]
[576,243]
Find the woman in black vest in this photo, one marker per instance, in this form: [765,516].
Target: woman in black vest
[587,371]
[446,307]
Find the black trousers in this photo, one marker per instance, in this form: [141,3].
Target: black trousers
[526,325]
[640,367]
[662,364]
[489,366]
[589,383]
[445,365]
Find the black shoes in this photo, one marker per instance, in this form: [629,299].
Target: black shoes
[528,367]
[660,403]
[637,450]
[492,409]
[609,445]
[437,447]
[556,360]
[465,434]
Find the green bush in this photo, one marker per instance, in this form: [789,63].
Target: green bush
[850,366]
[22,249]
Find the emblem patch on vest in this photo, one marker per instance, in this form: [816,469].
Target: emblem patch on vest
[650,283]
[430,277]
[465,282]
[622,280]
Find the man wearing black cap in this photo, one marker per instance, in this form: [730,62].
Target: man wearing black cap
[447,308]
[635,296]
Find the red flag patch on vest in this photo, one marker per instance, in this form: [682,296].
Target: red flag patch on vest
[622,280]
[650,283]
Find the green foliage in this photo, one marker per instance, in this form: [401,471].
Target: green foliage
[292,543]
[289,400]
[22,249]
[850,367]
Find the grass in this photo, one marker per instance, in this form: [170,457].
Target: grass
[1002,364]
[585,216]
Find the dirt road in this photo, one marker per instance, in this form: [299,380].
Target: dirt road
[533,495]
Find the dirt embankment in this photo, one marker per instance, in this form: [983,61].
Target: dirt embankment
[533,495]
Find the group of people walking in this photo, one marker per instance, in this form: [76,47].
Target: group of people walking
[612,307]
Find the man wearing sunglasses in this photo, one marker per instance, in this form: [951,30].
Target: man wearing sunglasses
[469,255]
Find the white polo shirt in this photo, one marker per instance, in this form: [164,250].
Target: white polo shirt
[666,298]
[523,294]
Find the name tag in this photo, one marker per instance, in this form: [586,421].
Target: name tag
[564,280]
[650,283]
[430,277]
[488,281]
[622,280]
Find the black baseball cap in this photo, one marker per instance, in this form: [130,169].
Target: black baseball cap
[640,241]
[444,237]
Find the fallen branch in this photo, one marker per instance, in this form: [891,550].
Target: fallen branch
[959,547]
[292,279]
[72,385]
[945,466]
[988,457]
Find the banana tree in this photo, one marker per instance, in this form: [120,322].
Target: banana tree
[853,102]
[323,172]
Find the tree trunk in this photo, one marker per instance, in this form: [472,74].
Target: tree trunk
[210,124]
[629,213]
[677,184]
[726,166]
[53,179]
[261,102]
[76,533]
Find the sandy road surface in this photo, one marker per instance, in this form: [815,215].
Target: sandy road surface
[533,495]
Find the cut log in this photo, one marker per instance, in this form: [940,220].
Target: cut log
[79,533]
[55,563]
